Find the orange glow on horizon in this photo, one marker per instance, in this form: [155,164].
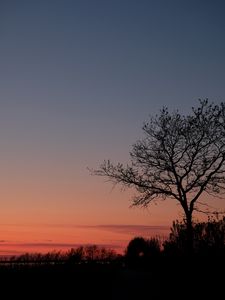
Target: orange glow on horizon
[20,239]
[58,211]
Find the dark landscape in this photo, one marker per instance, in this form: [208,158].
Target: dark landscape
[145,271]
[168,278]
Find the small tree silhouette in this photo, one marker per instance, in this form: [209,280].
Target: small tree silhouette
[136,248]
[140,251]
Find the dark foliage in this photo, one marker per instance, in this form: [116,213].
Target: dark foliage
[140,252]
[90,253]
[208,238]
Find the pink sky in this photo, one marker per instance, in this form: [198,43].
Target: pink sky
[55,206]
[19,239]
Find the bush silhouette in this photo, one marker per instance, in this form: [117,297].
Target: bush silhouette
[140,251]
[209,238]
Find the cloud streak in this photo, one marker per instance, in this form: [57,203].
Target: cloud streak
[135,229]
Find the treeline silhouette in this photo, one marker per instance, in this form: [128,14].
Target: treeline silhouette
[208,241]
[208,238]
[82,254]
[162,267]
[176,272]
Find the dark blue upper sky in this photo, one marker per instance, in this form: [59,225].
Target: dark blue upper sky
[78,78]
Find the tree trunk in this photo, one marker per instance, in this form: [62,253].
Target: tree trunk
[190,233]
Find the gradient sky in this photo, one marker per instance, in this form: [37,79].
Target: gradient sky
[78,79]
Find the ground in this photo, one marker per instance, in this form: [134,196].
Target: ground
[166,281]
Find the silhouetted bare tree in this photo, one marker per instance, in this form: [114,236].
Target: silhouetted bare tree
[180,157]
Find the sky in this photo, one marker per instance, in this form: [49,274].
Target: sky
[77,81]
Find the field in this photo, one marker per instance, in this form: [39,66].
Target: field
[164,279]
